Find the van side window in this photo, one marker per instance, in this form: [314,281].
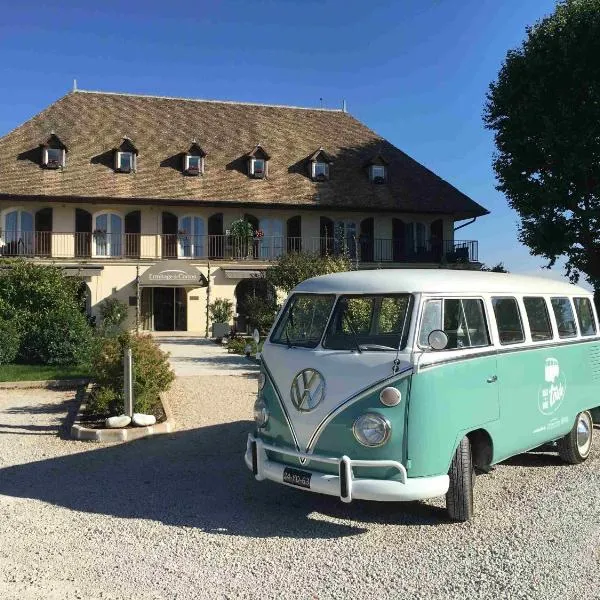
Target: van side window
[539,319]
[565,318]
[508,320]
[585,316]
[463,321]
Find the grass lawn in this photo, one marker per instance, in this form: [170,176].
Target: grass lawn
[40,372]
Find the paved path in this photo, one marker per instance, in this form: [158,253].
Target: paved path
[199,356]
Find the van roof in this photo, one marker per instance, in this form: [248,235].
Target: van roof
[435,281]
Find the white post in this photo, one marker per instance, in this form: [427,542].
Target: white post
[128,383]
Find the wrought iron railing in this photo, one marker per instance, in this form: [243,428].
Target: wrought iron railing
[225,247]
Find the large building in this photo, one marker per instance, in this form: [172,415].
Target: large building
[168,203]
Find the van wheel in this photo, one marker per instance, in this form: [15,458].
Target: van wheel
[575,447]
[459,498]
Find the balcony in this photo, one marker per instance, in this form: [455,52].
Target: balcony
[108,246]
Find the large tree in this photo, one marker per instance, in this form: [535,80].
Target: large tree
[544,109]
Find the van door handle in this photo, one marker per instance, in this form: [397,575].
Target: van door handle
[492,379]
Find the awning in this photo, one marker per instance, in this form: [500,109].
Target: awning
[172,273]
[242,273]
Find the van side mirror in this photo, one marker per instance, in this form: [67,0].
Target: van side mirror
[256,336]
[437,340]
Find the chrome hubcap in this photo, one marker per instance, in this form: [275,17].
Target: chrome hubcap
[584,434]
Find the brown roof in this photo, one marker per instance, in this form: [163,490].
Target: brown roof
[90,123]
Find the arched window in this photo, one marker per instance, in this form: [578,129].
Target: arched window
[345,237]
[18,232]
[271,242]
[108,234]
[190,236]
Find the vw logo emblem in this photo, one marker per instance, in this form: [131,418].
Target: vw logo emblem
[308,389]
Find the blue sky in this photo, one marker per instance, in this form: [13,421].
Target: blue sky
[415,71]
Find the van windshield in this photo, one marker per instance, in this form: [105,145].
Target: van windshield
[374,322]
[303,320]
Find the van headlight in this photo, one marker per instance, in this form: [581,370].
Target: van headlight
[371,429]
[261,414]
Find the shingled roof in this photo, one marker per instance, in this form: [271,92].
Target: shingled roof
[89,123]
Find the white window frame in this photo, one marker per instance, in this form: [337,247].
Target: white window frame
[46,157]
[133,162]
[28,244]
[194,244]
[384,170]
[110,241]
[200,162]
[253,166]
[319,163]
[413,225]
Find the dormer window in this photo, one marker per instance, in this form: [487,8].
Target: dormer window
[378,173]
[53,153]
[258,163]
[257,167]
[194,160]
[126,157]
[378,170]
[125,162]
[319,163]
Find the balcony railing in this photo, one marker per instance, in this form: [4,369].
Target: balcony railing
[105,246]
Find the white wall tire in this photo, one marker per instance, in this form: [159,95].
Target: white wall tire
[576,446]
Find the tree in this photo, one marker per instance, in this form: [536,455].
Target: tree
[293,268]
[544,109]
[499,268]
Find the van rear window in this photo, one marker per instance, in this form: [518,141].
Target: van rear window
[539,319]
[374,323]
[565,319]
[585,316]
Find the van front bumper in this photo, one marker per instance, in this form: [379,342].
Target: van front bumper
[344,485]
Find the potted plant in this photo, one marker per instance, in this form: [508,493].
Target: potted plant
[241,232]
[221,312]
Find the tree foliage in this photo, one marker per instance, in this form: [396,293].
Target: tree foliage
[544,109]
[221,310]
[291,269]
[498,268]
[45,309]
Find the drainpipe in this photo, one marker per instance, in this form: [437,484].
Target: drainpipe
[207,299]
[137,299]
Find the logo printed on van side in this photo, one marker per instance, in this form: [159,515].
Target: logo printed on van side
[552,393]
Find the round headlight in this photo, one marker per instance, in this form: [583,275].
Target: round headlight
[261,414]
[372,430]
[390,396]
[262,379]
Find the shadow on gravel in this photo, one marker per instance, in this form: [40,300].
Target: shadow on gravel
[197,478]
[536,459]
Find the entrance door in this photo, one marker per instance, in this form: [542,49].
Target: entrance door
[169,307]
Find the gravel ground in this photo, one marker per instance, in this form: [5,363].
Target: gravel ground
[179,516]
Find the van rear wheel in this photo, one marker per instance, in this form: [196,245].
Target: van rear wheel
[575,447]
[459,498]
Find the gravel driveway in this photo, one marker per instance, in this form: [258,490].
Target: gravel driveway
[179,516]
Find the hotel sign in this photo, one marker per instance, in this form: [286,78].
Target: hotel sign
[172,273]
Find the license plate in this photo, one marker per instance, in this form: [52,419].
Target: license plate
[297,477]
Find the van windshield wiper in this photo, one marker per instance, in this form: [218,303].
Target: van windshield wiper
[354,336]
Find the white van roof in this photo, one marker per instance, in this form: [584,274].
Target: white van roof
[435,281]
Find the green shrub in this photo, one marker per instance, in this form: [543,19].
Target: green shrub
[113,313]
[237,345]
[151,373]
[45,308]
[221,310]
[61,337]
[10,340]
[260,313]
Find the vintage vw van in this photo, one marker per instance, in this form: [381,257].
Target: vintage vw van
[399,384]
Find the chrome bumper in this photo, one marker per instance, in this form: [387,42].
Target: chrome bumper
[344,485]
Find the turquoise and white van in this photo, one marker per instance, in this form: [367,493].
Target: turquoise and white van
[399,384]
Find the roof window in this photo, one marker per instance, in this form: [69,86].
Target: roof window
[126,157]
[53,153]
[194,160]
[378,169]
[319,163]
[258,162]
